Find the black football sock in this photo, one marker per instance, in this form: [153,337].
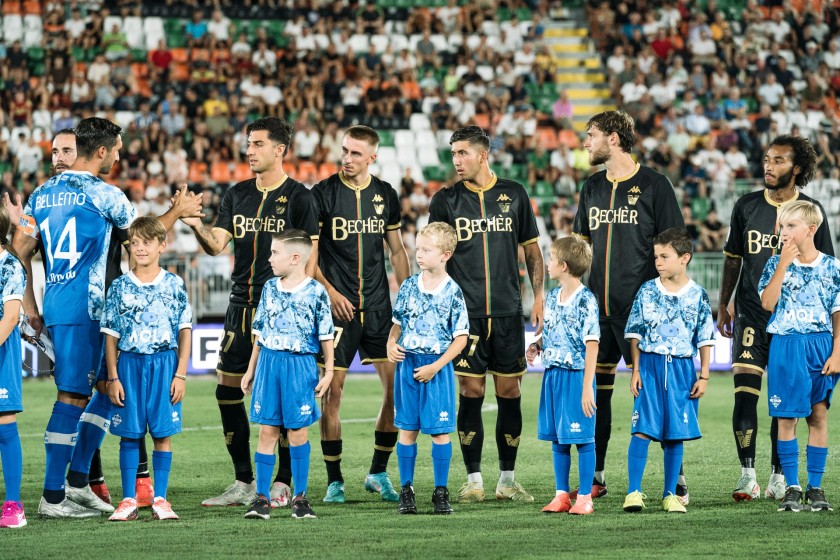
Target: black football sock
[143,465]
[236,429]
[383,445]
[284,458]
[775,462]
[508,430]
[604,383]
[471,432]
[745,418]
[95,475]
[332,459]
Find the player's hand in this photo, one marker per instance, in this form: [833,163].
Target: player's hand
[177,390]
[424,374]
[116,393]
[587,401]
[788,253]
[323,385]
[341,306]
[635,383]
[699,388]
[247,382]
[531,353]
[37,324]
[537,314]
[396,353]
[724,321]
[13,207]
[832,365]
[187,204]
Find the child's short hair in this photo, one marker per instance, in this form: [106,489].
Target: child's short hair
[678,239]
[296,240]
[575,252]
[803,210]
[442,235]
[148,228]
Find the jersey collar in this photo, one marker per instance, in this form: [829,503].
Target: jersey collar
[3,254]
[270,188]
[436,291]
[475,188]
[352,186]
[682,291]
[297,288]
[811,264]
[772,202]
[139,282]
[571,297]
[622,179]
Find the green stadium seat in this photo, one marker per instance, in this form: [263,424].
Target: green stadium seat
[700,208]
[435,173]
[35,54]
[524,14]
[386,138]
[518,172]
[78,54]
[544,189]
[138,55]
[37,68]
[275,27]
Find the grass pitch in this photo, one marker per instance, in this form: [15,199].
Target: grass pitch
[366,527]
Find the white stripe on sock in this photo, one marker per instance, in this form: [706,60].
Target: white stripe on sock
[96,420]
[57,438]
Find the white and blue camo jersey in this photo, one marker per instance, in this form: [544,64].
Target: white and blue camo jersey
[567,327]
[12,279]
[74,213]
[293,320]
[810,295]
[146,317]
[430,320]
[672,323]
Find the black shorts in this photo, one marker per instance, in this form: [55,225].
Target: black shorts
[237,342]
[750,346]
[613,346]
[367,334]
[496,345]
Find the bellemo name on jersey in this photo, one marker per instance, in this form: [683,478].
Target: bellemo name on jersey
[52,200]
[466,228]
[623,215]
[342,227]
[244,224]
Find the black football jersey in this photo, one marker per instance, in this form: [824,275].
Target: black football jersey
[491,223]
[754,238]
[354,222]
[251,215]
[620,217]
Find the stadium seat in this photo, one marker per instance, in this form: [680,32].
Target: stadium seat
[427,157]
[242,172]
[568,138]
[700,208]
[544,189]
[220,172]
[425,138]
[419,121]
[124,118]
[153,31]
[380,42]
[12,28]
[399,42]
[443,137]
[390,172]
[386,153]
[326,170]
[133,29]
[404,139]
[435,173]
[547,138]
[198,171]
[386,138]
[359,43]
[110,21]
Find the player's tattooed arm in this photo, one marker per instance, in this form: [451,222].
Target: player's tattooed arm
[536,272]
[213,241]
[731,271]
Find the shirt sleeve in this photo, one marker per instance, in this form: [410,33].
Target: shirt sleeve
[110,322]
[580,226]
[225,219]
[528,232]
[438,211]
[767,274]
[115,207]
[668,214]
[304,213]
[323,311]
[14,279]
[822,238]
[591,322]
[258,324]
[394,211]
[185,318]
[734,246]
[704,333]
[635,323]
[398,314]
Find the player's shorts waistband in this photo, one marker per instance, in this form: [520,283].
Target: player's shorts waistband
[557,370]
[126,355]
[286,353]
[802,336]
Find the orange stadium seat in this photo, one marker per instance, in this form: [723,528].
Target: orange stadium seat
[11,7]
[306,169]
[197,171]
[568,138]
[180,55]
[547,137]
[220,172]
[327,169]
[32,7]
[180,72]
[242,172]
[482,120]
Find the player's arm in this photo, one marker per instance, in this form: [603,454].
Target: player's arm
[25,245]
[311,267]
[536,272]
[731,271]
[635,378]
[115,388]
[399,257]
[587,399]
[341,306]
[328,349]
[396,353]
[702,382]
[213,240]
[426,373]
[11,310]
[178,388]
[832,365]
[248,378]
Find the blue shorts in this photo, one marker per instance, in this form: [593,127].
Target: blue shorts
[561,416]
[794,374]
[427,407]
[147,380]
[78,356]
[663,410]
[11,397]
[284,390]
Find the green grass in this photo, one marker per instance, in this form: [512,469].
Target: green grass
[365,527]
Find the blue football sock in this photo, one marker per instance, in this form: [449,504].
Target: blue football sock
[406,457]
[265,468]
[636,461]
[789,458]
[300,467]
[161,465]
[129,459]
[12,458]
[816,457]
[93,425]
[586,467]
[441,458]
[673,451]
[562,454]
[59,439]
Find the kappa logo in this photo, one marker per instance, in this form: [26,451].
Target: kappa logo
[306,410]
[175,417]
[635,190]
[504,198]
[745,355]
[512,441]
[116,420]
[257,407]
[504,203]
[4,393]
[463,363]
[282,200]
[378,198]
[466,438]
[775,401]
[635,417]
[633,195]
[443,416]
[574,427]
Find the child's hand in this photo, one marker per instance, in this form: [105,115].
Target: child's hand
[424,374]
[635,383]
[699,388]
[247,382]
[177,390]
[116,393]
[323,385]
[588,402]
[396,353]
[832,365]
[789,252]
[531,353]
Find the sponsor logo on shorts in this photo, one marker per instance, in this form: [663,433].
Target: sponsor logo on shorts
[257,407]
[745,355]
[443,416]
[574,427]
[305,410]
[4,393]
[463,363]
[91,377]
[175,417]
[116,420]
[635,417]
[775,401]
[685,417]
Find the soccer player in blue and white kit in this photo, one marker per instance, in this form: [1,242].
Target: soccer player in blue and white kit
[430,329]
[12,284]
[148,319]
[569,346]
[670,320]
[801,287]
[292,323]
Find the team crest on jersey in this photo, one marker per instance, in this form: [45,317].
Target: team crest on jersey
[504,203]
[633,195]
[280,207]
[379,208]
[280,210]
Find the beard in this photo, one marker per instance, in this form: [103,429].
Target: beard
[782,181]
[599,157]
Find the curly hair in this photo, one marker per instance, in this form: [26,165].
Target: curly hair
[804,156]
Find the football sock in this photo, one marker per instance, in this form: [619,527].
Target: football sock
[59,440]
[264,464]
[161,464]
[406,458]
[562,454]
[748,472]
[95,475]
[775,461]
[745,416]
[636,461]
[12,459]
[475,477]
[383,446]
[441,458]
[604,383]
[331,450]
[673,460]
[300,466]
[508,430]
[284,459]
[506,477]
[93,425]
[816,457]
[789,457]
[143,464]
[586,467]
[471,431]
[129,458]
[236,429]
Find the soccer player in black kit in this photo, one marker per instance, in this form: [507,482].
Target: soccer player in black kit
[621,210]
[789,164]
[493,218]
[251,211]
[359,214]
